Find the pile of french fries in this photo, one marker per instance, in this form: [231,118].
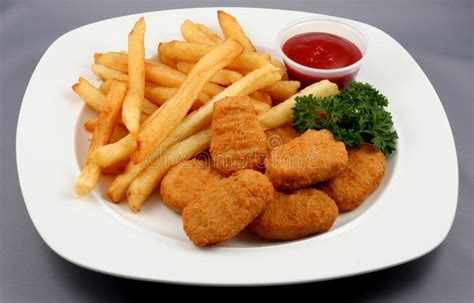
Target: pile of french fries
[154,115]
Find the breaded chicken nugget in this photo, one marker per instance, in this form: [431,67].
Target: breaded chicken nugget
[238,142]
[185,182]
[279,136]
[312,157]
[363,174]
[295,215]
[227,207]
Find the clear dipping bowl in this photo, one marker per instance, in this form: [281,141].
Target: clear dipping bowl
[343,76]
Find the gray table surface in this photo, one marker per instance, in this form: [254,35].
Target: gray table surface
[438,34]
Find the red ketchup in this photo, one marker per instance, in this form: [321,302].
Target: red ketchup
[321,51]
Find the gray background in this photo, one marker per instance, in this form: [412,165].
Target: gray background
[439,35]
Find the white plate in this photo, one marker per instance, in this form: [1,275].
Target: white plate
[408,216]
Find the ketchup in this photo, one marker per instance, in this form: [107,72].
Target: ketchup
[322,51]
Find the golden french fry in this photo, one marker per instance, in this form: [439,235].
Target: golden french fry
[102,133]
[119,150]
[282,67]
[283,113]
[159,94]
[154,72]
[223,77]
[148,107]
[199,33]
[174,110]
[90,125]
[118,188]
[282,90]
[149,178]
[110,154]
[167,60]
[192,52]
[231,29]
[119,130]
[133,103]
[90,94]
[259,106]
[262,96]
[115,169]
[104,73]
[105,86]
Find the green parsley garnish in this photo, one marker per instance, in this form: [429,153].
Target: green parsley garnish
[354,115]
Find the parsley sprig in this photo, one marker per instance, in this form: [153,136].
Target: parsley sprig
[354,115]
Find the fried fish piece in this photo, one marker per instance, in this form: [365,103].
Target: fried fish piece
[294,215]
[363,174]
[312,157]
[185,182]
[227,207]
[237,142]
[279,136]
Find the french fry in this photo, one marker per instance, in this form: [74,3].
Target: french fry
[282,90]
[282,67]
[283,113]
[115,169]
[231,29]
[118,188]
[154,72]
[104,73]
[119,130]
[223,77]
[105,86]
[102,133]
[259,106]
[159,94]
[148,107]
[174,110]
[149,178]
[119,150]
[192,52]
[199,33]
[90,94]
[133,103]
[262,96]
[167,60]
[110,154]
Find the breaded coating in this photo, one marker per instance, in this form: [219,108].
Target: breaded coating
[238,142]
[226,208]
[185,182]
[279,136]
[312,157]
[295,215]
[363,174]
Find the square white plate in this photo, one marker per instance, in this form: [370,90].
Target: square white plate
[409,215]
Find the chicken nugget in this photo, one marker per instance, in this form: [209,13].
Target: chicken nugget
[279,136]
[312,157]
[237,142]
[295,215]
[226,208]
[363,174]
[185,182]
